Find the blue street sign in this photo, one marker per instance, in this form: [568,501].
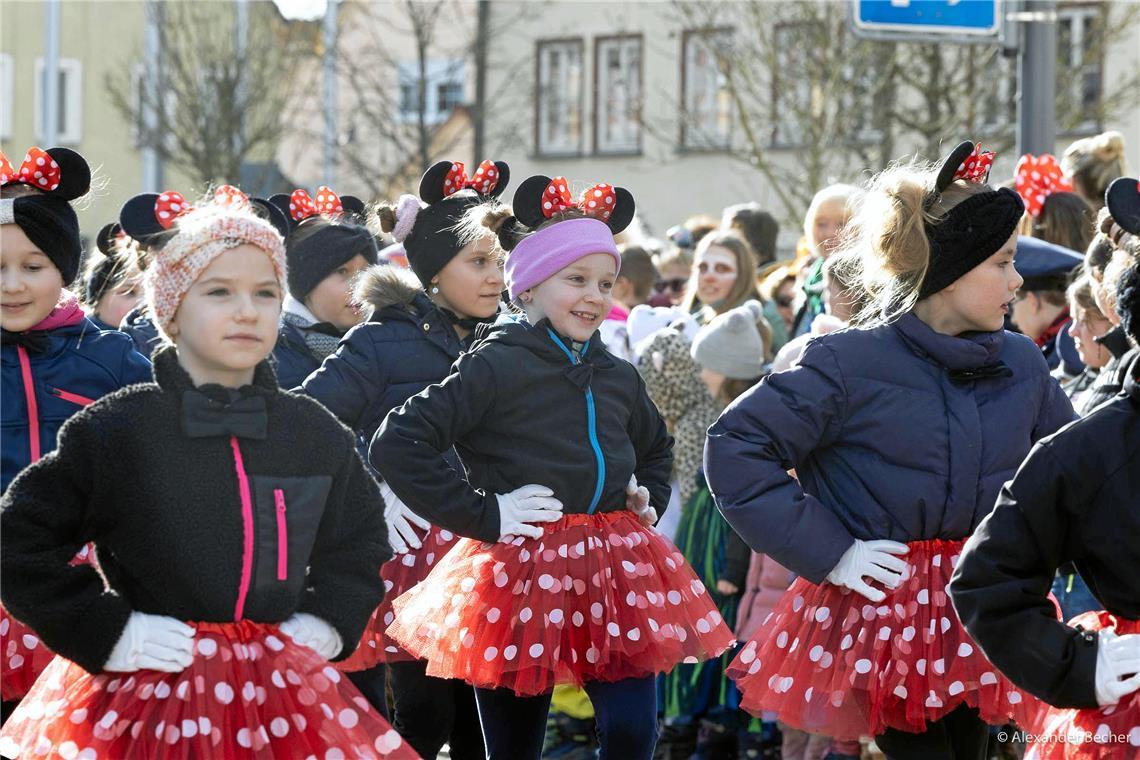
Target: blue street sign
[928,17]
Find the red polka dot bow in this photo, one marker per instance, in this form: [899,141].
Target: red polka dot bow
[485,179]
[39,170]
[169,206]
[302,205]
[597,202]
[976,167]
[228,195]
[1038,177]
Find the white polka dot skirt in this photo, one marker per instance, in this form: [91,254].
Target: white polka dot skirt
[22,655]
[399,574]
[1108,733]
[596,598]
[829,661]
[250,692]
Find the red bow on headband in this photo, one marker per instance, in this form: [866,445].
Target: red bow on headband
[38,170]
[1038,177]
[598,201]
[302,206]
[169,206]
[976,167]
[485,179]
[228,195]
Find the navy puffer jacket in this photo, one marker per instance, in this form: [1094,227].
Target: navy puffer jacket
[896,432]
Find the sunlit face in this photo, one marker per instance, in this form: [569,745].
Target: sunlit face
[827,225]
[1084,329]
[716,273]
[981,298]
[227,323]
[30,284]
[471,284]
[575,299]
[331,300]
[118,302]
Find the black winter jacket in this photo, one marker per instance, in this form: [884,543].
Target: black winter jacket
[193,517]
[1076,498]
[292,359]
[519,409]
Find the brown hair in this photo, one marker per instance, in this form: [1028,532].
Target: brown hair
[637,267]
[732,388]
[1081,298]
[884,247]
[1066,220]
[759,228]
[743,289]
[1094,162]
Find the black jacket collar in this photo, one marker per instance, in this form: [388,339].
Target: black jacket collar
[170,376]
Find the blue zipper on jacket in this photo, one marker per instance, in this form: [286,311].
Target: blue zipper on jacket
[591,422]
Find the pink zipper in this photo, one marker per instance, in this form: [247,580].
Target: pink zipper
[33,408]
[74,398]
[247,529]
[282,536]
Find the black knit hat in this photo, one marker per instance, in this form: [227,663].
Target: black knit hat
[973,230]
[59,175]
[317,247]
[433,240]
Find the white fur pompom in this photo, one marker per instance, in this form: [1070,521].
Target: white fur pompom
[407,208]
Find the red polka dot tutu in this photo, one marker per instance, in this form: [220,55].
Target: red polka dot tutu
[829,661]
[597,598]
[399,574]
[250,692]
[24,655]
[1108,733]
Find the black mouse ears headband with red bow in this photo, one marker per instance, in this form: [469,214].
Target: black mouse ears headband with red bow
[446,178]
[59,172]
[299,205]
[148,215]
[540,198]
[968,162]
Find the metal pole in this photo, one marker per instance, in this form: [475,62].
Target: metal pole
[152,99]
[330,136]
[241,44]
[1036,114]
[49,116]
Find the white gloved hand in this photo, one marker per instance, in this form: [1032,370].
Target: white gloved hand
[637,501]
[152,642]
[400,519]
[522,507]
[1117,666]
[312,632]
[873,559]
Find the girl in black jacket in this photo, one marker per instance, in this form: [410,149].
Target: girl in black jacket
[238,533]
[1073,500]
[551,428]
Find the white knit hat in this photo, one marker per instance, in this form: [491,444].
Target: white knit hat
[731,343]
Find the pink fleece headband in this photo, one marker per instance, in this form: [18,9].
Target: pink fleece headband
[541,254]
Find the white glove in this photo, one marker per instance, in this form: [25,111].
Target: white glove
[1117,666]
[312,632]
[637,501]
[521,507]
[401,534]
[152,642]
[874,559]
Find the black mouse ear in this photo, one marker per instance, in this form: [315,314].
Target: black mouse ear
[432,187]
[273,214]
[952,164]
[527,203]
[137,217]
[352,205]
[105,240]
[624,209]
[74,173]
[504,179]
[1123,201]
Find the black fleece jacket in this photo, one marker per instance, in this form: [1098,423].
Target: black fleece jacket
[1075,499]
[170,514]
[520,410]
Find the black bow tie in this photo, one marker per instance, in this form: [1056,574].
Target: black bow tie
[985,372]
[203,416]
[580,374]
[37,341]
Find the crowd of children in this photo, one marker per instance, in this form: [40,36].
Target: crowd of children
[544,486]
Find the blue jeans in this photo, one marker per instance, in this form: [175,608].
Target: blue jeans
[625,712]
[1074,596]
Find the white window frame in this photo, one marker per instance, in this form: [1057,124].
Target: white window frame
[569,102]
[71,126]
[1081,17]
[618,101]
[707,124]
[7,95]
[438,72]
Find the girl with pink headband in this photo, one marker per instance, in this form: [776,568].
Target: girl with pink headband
[559,579]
